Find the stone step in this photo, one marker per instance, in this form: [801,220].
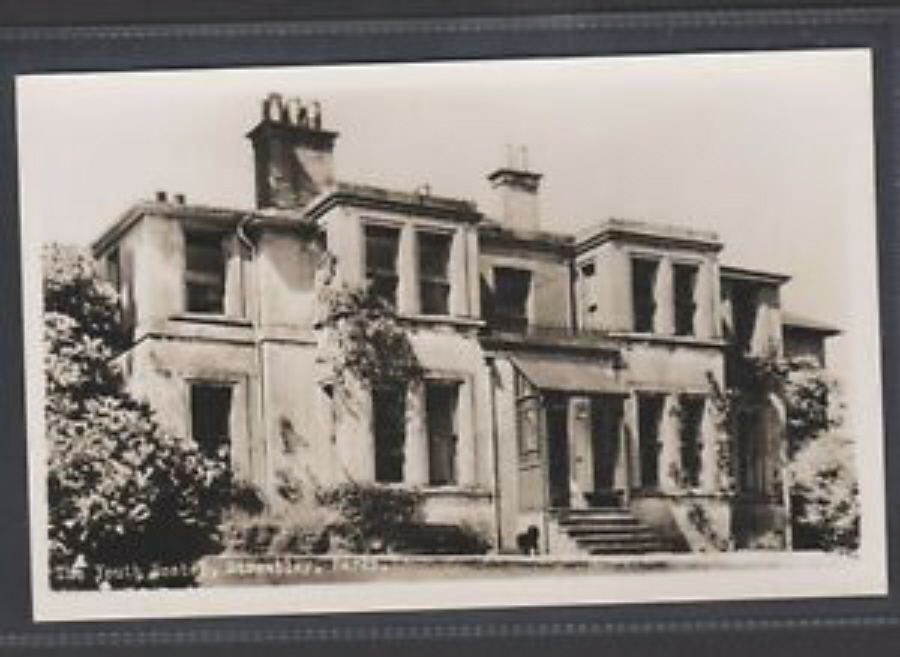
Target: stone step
[609,530]
[608,518]
[591,510]
[627,548]
[604,532]
[600,526]
[592,513]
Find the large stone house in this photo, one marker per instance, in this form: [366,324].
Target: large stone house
[568,378]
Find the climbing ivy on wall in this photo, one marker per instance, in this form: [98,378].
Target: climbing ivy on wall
[824,482]
[364,341]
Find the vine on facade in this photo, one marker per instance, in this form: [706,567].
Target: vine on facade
[364,340]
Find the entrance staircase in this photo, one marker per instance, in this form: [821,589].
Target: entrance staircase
[608,530]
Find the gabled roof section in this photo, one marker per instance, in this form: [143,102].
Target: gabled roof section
[646,233]
[801,322]
[380,198]
[227,218]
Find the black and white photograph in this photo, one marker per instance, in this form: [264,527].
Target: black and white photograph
[477,334]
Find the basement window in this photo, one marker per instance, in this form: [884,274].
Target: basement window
[382,245]
[512,289]
[211,417]
[643,293]
[684,280]
[434,278]
[691,417]
[441,413]
[205,272]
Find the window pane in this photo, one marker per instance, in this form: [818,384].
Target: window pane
[435,298]
[650,409]
[384,287]
[382,244]
[441,409]
[381,248]
[434,280]
[211,417]
[691,417]
[512,288]
[205,273]
[434,255]
[643,290]
[744,309]
[389,429]
[684,278]
[114,270]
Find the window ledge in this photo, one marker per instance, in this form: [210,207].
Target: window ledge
[686,340]
[204,318]
[453,491]
[453,320]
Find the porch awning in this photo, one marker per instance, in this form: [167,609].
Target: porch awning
[568,374]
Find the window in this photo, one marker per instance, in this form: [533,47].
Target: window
[382,243]
[389,429]
[512,288]
[114,270]
[643,293]
[211,417]
[684,279]
[650,408]
[744,308]
[440,409]
[587,290]
[691,417]
[434,279]
[205,272]
[752,454]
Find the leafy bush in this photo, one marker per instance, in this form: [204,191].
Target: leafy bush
[124,496]
[426,538]
[371,518]
[825,495]
[275,536]
[281,525]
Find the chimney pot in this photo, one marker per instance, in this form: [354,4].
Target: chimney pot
[162,197]
[272,107]
[294,155]
[179,199]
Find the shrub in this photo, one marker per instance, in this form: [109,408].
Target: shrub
[825,495]
[124,496]
[371,518]
[425,538]
[275,536]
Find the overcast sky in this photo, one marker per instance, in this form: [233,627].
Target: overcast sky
[771,150]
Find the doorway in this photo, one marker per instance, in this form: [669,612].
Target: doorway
[606,423]
[557,414]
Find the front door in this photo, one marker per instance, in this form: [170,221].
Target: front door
[606,422]
[558,450]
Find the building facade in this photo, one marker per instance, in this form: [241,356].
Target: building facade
[569,380]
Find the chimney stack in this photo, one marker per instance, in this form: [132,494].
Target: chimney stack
[294,156]
[517,189]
